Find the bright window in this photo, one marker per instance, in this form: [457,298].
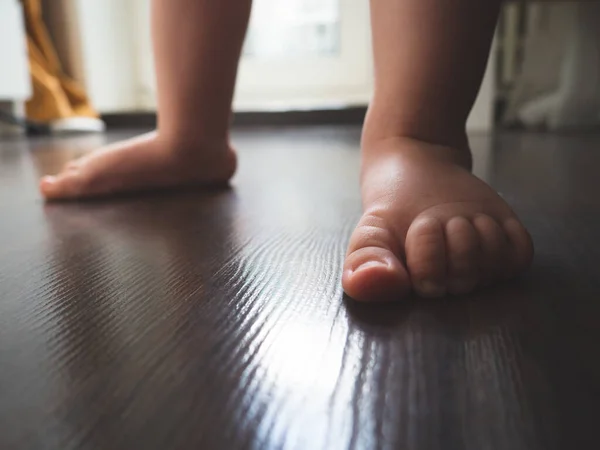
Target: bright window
[298,54]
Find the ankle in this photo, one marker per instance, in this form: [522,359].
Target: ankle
[383,125]
[411,148]
[192,143]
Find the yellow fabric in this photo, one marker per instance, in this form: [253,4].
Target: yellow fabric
[55,95]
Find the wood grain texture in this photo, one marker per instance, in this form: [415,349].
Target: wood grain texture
[216,320]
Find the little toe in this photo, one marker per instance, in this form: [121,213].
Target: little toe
[426,257]
[372,271]
[521,245]
[463,251]
[494,249]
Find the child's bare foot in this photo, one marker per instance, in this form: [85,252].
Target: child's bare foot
[429,225]
[143,163]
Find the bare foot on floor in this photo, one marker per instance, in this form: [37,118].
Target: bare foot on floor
[429,225]
[138,164]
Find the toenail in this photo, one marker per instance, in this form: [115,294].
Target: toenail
[370,264]
[431,289]
[48,183]
[49,180]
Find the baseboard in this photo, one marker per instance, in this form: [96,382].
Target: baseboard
[344,116]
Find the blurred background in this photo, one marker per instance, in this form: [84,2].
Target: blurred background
[300,55]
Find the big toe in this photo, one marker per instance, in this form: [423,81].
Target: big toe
[372,271]
[63,186]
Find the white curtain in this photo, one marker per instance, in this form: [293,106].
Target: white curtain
[559,83]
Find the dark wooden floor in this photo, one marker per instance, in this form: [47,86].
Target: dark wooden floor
[217,321]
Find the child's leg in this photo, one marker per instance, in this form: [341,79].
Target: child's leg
[428,223]
[197,45]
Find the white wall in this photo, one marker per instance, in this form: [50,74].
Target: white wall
[481,119]
[109,56]
[15,83]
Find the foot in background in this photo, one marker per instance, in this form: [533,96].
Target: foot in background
[143,163]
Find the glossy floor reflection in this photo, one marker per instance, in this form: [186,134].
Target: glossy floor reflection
[216,320]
